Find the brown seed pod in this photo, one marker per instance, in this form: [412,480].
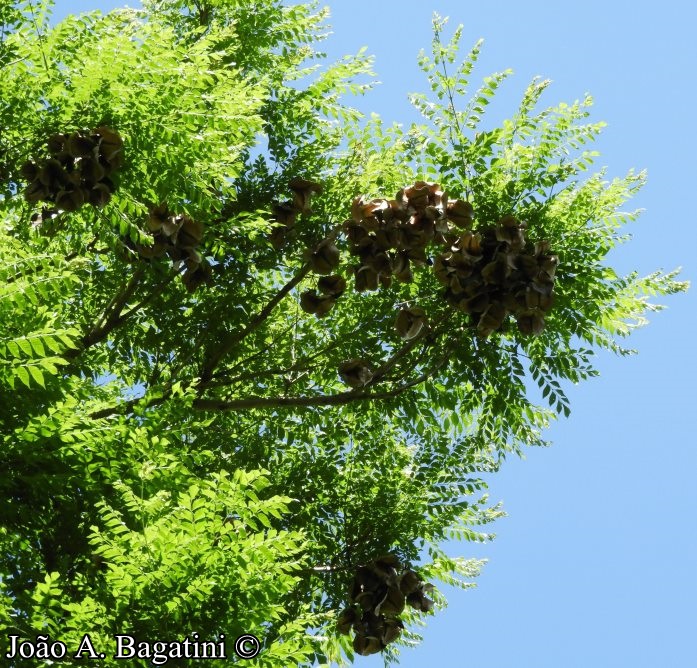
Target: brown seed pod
[56,143]
[419,601]
[366,645]
[491,319]
[325,257]
[91,170]
[190,233]
[52,174]
[334,285]
[302,193]
[355,372]
[347,618]
[460,213]
[510,229]
[409,582]
[70,200]
[99,195]
[366,279]
[79,145]
[29,170]
[393,629]
[36,192]
[410,322]
[203,274]
[110,145]
[157,217]
[310,301]
[531,324]
[392,604]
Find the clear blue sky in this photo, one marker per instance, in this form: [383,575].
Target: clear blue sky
[596,564]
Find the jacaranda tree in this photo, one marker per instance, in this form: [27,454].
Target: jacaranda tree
[255,350]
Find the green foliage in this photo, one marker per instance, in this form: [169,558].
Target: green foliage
[189,459]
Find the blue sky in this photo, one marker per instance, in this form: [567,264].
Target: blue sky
[596,563]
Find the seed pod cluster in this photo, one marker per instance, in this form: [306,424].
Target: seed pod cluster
[389,237]
[79,170]
[177,236]
[286,213]
[379,593]
[494,273]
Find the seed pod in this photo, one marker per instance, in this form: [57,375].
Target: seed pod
[325,258]
[302,193]
[392,604]
[460,213]
[410,322]
[310,301]
[56,143]
[497,271]
[99,195]
[409,582]
[52,174]
[366,279]
[190,233]
[419,601]
[326,304]
[91,170]
[531,323]
[79,145]
[393,629]
[491,319]
[366,645]
[347,618]
[201,275]
[70,200]
[110,145]
[355,372]
[510,229]
[29,170]
[171,225]
[36,192]
[334,285]
[157,216]
[380,263]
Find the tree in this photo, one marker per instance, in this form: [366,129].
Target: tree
[256,351]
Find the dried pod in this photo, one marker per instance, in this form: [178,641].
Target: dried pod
[285,213]
[302,193]
[380,263]
[99,195]
[157,217]
[393,629]
[36,192]
[410,322]
[347,618]
[310,301]
[510,229]
[70,200]
[110,145]
[492,318]
[497,271]
[409,582]
[419,601]
[326,304]
[366,645]
[171,225]
[460,213]
[334,285]
[325,258]
[79,145]
[531,323]
[56,143]
[366,279]
[52,174]
[190,233]
[201,275]
[392,604]
[355,372]
[29,170]
[91,170]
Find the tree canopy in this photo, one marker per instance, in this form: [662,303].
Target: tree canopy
[257,351]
